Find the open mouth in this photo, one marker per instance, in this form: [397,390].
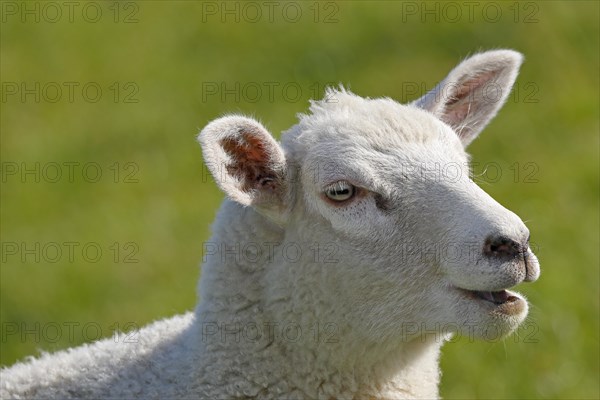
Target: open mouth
[500,302]
[499,297]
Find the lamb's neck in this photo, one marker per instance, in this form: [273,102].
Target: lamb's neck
[409,371]
[347,368]
[235,259]
[246,308]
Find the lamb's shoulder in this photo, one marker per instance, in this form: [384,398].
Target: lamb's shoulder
[126,365]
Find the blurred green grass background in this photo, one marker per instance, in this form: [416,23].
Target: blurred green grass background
[168,57]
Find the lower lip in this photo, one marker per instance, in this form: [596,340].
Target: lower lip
[516,305]
[513,306]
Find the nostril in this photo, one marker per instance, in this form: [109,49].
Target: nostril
[502,246]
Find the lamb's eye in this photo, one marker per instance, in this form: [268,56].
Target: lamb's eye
[340,191]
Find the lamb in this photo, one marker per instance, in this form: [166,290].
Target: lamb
[339,264]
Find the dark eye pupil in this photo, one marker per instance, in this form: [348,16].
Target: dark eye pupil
[340,191]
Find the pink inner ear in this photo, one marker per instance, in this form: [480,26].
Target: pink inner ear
[464,101]
[250,161]
[468,87]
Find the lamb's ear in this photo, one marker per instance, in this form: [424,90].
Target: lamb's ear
[473,92]
[245,160]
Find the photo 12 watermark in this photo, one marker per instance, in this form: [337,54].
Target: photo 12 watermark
[323,12]
[68,92]
[52,12]
[72,252]
[69,331]
[69,172]
[265,91]
[252,332]
[254,252]
[452,12]
[469,331]
[521,92]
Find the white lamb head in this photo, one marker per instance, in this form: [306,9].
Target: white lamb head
[394,237]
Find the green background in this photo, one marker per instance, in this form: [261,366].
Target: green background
[159,65]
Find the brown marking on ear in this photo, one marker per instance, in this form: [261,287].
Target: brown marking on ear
[251,161]
[468,87]
[459,106]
